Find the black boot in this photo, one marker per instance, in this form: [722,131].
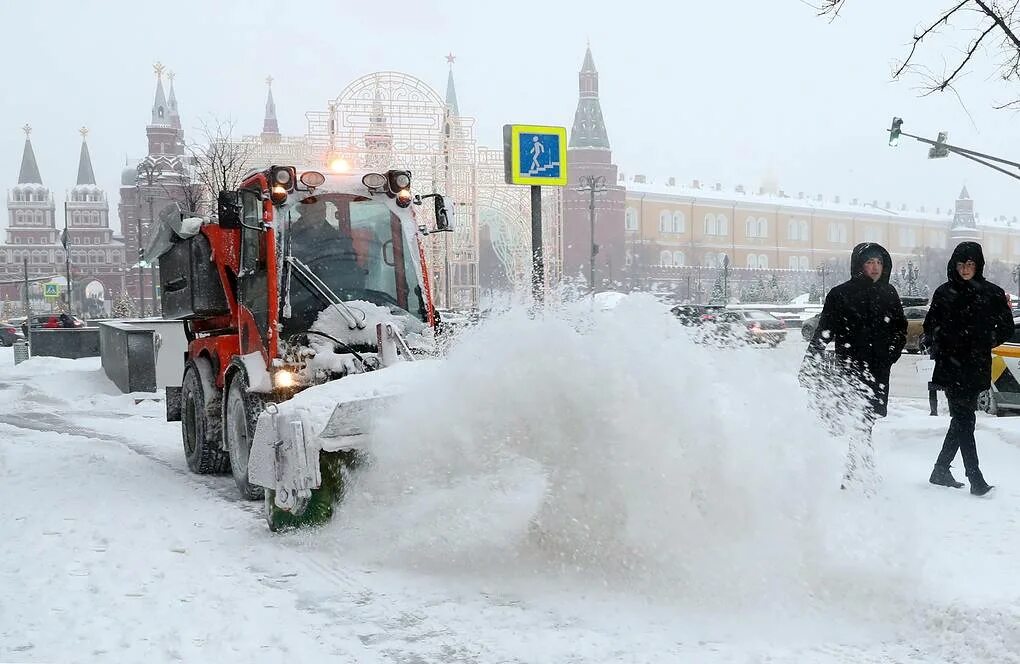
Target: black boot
[943,477]
[978,485]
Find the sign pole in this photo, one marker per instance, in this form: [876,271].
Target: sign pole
[28,306]
[537,261]
[535,155]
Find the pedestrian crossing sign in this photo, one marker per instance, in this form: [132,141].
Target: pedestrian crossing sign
[535,155]
[51,290]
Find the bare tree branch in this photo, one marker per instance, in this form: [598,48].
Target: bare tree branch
[943,20]
[219,159]
[970,53]
[994,17]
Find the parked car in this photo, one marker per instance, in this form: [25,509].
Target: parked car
[696,314]
[1004,392]
[752,326]
[915,330]
[53,321]
[9,333]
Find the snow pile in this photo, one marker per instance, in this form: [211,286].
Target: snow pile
[329,359]
[605,441]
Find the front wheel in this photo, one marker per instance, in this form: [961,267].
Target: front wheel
[240,414]
[988,403]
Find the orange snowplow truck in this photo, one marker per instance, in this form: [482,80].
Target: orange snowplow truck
[301,279]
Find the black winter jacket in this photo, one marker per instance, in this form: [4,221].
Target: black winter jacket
[864,319]
[965,320]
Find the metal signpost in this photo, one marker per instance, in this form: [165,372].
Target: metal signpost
[535,155]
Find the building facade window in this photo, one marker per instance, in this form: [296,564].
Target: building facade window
[679,260]
[763,262]
[665,222]
[666,259]
[752,261]
[678,222]
[804,263]
[630,219]
[763,227]
[711,228]
[837,233]
[722,224]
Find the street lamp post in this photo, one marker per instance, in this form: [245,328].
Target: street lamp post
[1016,279]
[823,270]
[593,184]
[141,278]
[726,279]
[152,267]
[65,240]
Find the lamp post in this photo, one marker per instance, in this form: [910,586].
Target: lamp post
[65,240]
[908,273]
[726,278]
[1016,278]
[593,184]
[823,270]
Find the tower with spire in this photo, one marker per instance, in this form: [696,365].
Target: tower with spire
[964,225]
[158,180]
[30,207]
[270,126]
[589,154]
[87,210]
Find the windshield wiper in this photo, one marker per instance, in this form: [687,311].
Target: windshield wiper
[326,293]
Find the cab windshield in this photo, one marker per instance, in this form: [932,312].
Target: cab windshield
[356,245]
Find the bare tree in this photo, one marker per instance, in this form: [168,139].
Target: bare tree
[977,24]
[219,159]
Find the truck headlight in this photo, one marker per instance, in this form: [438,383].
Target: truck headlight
[284,379]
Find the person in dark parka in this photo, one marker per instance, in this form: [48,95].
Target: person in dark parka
[968,316]
[864,319]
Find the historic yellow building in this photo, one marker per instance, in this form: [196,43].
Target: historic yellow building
[698,226]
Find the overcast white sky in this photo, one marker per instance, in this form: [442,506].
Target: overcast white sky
[714,90]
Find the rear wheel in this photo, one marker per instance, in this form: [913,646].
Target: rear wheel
[200,421]
[240,414]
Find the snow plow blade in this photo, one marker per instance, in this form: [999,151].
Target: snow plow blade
[304,448]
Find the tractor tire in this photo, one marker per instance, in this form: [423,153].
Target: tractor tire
[241,410]
[335,468]
[988,403]
[200,423]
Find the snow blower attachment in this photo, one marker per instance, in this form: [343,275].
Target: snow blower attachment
[302,450]
[302,301]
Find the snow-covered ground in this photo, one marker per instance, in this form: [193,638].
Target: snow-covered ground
[587,487]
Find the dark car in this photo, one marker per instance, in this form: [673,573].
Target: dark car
[54,321]
[696,314]
[915,330]
[752,326]
[9,333]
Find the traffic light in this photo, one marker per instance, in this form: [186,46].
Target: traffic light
[940,149]
[894,132]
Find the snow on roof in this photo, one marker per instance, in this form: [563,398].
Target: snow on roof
[807,204]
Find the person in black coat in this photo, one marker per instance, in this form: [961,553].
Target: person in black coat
[863,318]
[968,316]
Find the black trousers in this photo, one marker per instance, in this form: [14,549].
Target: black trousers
[960,436]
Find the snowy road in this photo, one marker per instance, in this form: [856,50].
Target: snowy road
[724,537]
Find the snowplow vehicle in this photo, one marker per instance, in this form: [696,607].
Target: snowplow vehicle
[305,278]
